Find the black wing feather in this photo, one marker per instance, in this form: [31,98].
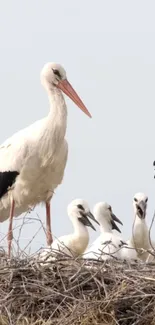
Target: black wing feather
[7,179]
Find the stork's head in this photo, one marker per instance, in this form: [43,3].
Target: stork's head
[54,75]
[104,215]
[140,205]
[79,210]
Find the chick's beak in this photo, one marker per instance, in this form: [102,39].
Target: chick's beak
[141,209]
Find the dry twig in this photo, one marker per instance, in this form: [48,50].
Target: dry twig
[73,291]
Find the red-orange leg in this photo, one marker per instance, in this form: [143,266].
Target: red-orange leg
[48,225]
[10,233]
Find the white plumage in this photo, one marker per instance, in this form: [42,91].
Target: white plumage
[37,153]
[73,244]
[140,232]
[107,245]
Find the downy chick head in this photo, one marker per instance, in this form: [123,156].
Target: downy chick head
[79,210]
[104,215]
[140,205]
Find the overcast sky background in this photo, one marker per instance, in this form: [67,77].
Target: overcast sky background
[108,50]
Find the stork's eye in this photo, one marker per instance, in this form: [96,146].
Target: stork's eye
[109,208]
[80,207]
[135,199]
[57,73]
[146,200]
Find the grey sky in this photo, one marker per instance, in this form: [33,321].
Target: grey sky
[108,51]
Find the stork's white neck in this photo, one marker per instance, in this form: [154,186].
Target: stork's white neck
[58,108]
[139,220]
[105,227]
[79,229]
[140,235]
[139,227]
[54,128]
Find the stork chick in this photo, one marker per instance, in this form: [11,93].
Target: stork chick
[140,232]
[107,245]
[75,243]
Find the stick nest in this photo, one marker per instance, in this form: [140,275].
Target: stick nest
[70,291]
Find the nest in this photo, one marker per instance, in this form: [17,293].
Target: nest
[74,291]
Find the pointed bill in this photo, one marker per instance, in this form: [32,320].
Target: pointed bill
[66,87]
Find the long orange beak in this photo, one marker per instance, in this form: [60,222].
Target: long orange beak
[66,87]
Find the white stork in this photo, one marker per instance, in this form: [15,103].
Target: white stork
[73,244]
[33,160]
[107,245]
[140,232]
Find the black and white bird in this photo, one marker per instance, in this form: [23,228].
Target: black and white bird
[33,160]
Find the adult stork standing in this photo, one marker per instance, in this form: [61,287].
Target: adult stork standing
[33,160]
